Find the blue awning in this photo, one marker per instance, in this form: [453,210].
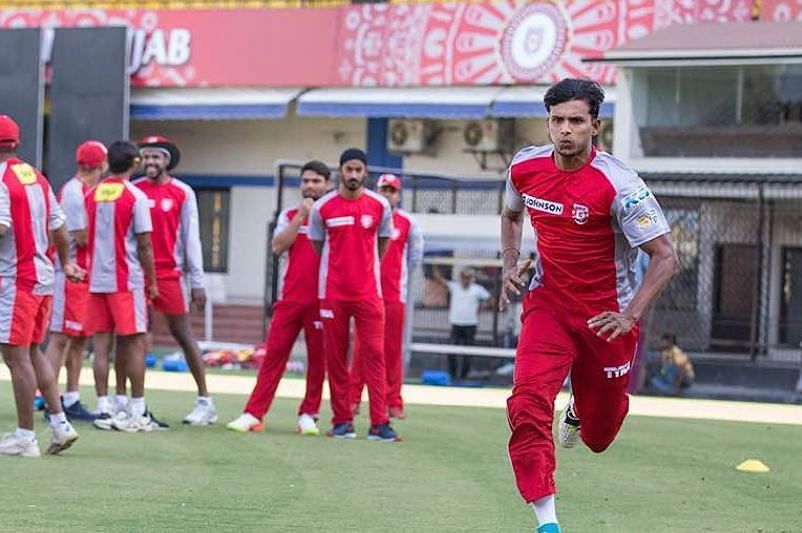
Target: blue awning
[528,102]
[413,102]
[210,103]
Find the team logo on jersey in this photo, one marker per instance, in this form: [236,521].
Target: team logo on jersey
[108,192]
[167,204]
[538,204]
[580,213]
[366,221]
[633,199]
[25,173]
[647,219]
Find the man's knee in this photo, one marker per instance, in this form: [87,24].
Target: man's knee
[526,406]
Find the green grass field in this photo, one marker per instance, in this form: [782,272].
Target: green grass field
[450,474]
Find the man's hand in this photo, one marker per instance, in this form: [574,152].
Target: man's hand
[305,208]
[153,291]
[199,298]
[74,272]
[511,283]
[618,323]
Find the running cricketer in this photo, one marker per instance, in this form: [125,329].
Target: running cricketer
[590,213]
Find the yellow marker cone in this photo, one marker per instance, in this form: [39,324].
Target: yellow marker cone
[752,465]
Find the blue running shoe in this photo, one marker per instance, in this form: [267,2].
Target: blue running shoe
[551,527]
[383,433]
[77,411]
[343,430]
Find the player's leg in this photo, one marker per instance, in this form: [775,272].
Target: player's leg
[72,324]
[369,317]
[394,314]
[600,378]
[336,316]
[543,359]
[285,324]
[56,351]
[308,411]
[57,344]
[357,376]
[72,396]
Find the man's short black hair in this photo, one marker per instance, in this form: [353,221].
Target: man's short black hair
[669,338]
[318,167]
[575,89]
[123,156]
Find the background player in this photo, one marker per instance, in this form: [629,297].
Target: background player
[404,254]
[121,266]
[590,213]
[177,251]
[68,334]
[297,307]
[28,211]
[350,228]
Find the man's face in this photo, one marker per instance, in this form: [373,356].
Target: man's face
[313,185]
[571,127]
[466,278]
[393,195]
[154,162]
[353,174]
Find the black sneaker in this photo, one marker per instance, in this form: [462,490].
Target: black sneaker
[383,433]
[343,430]
[157,424]
[77,411]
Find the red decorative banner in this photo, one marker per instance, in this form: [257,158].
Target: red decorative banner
[502,42]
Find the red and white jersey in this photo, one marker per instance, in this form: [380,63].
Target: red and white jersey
[299,266]
[29,209]
[349,264]
[72,200]
[176,230]
[404,252]
[117,212]
[588,224]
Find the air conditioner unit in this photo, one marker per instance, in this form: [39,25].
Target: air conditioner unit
[489,135]
[409,136]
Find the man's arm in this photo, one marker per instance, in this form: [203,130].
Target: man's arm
[190,229]
[287,230]
[317,230]
[512,227]
[384,242]
[144,249]
[5,210]
[415,245]
[438,278]
[385,228]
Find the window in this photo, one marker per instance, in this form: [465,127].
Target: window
[213,209]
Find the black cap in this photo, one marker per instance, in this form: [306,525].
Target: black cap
[353,153]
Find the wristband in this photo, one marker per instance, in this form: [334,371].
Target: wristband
[517,251]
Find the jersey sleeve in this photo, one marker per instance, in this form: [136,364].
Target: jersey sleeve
[282,222]
[317,232]
[72,202]
[5,206]
[481,292]
[415,243]
[386,224]
[56,217]
[639,216]
[190,232]
[512,198]
[142,222]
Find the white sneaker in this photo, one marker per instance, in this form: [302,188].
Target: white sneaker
[11,444]
[568,426]
[105,421]
[131,423]
[62,436]
[244,423]
[201,415]
[307,425]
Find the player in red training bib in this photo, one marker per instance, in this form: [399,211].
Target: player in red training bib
[590,213]
[351,228]
[179,259]
[404,254]
[28,212]
[121,279]
[68,333]
[296,308]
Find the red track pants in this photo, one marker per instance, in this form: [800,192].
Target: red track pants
[288,320]
[394,314]
[554,342]
[369,320]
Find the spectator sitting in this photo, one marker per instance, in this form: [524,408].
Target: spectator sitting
[676,371]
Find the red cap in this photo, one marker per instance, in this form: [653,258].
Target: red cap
[389,180]
[91,154]
[9,131]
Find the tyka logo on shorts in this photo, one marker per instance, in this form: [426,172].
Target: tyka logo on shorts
[617,371]
[538,204]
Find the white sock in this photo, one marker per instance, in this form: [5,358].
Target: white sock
[121,400]
[204,400]
[103,404]
[58,418]
[138,406]
[25,434]
[545,511]
[71,398]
